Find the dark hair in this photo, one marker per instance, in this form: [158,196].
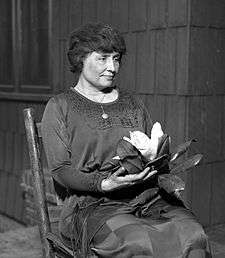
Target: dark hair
[93,37]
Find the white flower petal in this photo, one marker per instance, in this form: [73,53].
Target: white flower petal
[116,157]
[148,147]
[127,139]
[156,130]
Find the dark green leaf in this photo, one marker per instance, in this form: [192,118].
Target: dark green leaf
[164,145]
[125,149]
[130,157]
[187,164]
[156,163]
[181,149]
[133,165]
[171,183]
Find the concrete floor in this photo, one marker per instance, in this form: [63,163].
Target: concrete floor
[25,242]
[16,239]
[217,240]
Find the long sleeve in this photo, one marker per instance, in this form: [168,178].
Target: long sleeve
[56,140]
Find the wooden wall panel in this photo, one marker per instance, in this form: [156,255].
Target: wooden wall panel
[63,64]
[157,14]
[3,114]
[75,14]
[165,61]
[128,70]
[175,118]
[218,194]
[156,105]
[18,154]
[89,11]
[2,150]
[182,60]
[205,124]
[219,61]
[63,17]
[6,46]
[223,125]
[197,123]
[11,195]
[19,210]
[15,157]
[56,65]
[145,62]
[177,12]
[106,15]
[214,128]
[201,67]
[200,12]
[56,24]
[149,101]
[120,15]
[68,79]
[137,15]
[3,191]
[9,154]
[201,193]
[208,13]
[34,69]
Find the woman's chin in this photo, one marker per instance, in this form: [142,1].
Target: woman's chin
[105,86]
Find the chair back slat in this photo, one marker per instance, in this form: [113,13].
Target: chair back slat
[38,179]
[39,130]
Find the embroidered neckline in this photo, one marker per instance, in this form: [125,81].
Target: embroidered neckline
[95,102]
[121,112]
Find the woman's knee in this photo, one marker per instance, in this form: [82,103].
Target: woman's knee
[196,240]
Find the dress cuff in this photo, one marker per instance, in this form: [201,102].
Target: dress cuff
[99,182]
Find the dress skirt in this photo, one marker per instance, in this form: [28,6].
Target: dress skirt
[115,230]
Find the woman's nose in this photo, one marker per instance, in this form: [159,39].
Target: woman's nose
[111,65]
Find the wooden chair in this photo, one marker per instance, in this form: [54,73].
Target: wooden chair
[51,242]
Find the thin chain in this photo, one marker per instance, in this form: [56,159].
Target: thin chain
[104,114]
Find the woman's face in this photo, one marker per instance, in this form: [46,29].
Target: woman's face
[99,69]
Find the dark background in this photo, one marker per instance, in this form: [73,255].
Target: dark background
[175,62]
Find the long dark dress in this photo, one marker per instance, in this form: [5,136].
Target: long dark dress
[120,224]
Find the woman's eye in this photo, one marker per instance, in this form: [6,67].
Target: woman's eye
[102,58]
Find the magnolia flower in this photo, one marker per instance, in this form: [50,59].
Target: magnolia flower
[147,146]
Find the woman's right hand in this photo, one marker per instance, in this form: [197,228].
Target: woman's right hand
[118,180]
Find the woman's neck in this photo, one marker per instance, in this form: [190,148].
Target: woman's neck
[91,90]
[105,95]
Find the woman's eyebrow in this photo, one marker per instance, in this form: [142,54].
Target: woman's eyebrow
[103,54]
[108,54]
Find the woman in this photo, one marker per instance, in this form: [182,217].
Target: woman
[81,129]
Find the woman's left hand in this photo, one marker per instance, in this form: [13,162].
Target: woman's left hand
[118,180]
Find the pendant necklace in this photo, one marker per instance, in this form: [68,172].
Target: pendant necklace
[104,114]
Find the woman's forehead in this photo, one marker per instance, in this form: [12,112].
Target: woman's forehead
[114,53]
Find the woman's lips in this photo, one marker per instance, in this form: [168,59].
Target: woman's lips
[108,77]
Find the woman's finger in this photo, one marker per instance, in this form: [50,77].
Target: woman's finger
[150,174]
[136,177]
[141,175]
[119,171]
